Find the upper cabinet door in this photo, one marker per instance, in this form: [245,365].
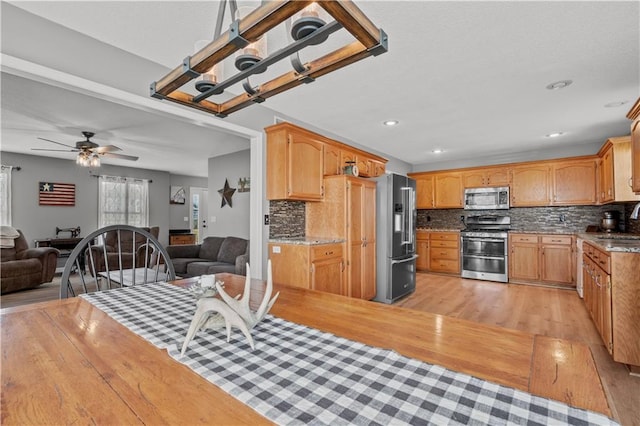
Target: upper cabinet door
[574,183]
[424,192]
[295,160]
[530,185]
[448,190]
[305,167]
[332,164]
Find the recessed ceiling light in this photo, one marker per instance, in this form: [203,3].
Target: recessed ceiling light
[391,122]
[554,135]
[438,151]
[615,104]
[559,84]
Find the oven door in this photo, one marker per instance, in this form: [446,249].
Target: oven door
[485,258]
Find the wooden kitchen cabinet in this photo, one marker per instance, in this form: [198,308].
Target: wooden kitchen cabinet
[332,160]
[557,264]
[295,163]
[486,177]
[422,250]
[424,191]
[542,258]
[447,192]
[574,182]
[523,257]
[616,171]
[310,266]
[348,212]
[611,292]
[530,185]
[444,252]
[634,114]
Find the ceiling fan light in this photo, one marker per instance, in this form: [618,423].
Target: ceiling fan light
[94,161]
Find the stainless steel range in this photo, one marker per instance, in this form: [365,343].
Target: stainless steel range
[484,248]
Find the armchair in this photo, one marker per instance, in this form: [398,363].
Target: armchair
[113,250]
[22,267]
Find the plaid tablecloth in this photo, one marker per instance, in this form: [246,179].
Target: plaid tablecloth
[300,375]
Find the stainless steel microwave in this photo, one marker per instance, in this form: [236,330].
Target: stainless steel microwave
[486,198]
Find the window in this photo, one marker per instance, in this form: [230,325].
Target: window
[5,195]
[123,201]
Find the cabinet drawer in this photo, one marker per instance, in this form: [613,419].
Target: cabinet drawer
[444,253]
[524,238]
[182,239]
[445,265]
[557,239]
[451,244]
[422,235]
[326,251]
[444,236]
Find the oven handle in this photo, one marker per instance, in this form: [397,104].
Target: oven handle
[487,240]
[414,257]
[475,256]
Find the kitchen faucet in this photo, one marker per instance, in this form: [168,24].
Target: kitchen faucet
[636,210]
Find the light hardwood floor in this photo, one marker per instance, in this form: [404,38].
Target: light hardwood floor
[552,312]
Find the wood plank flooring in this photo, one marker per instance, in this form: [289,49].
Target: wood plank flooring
[551,312]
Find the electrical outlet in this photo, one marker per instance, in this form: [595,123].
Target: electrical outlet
[275,249]
[266,219]
[428,218]
[563,218]
[461,218]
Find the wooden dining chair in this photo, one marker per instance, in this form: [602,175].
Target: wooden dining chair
[136,257]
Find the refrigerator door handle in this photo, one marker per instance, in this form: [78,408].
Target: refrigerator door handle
[407,220]
[414,257]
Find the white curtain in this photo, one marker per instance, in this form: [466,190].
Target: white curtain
[5,195]
[123,201]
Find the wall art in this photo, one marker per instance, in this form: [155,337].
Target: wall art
[178,195]
[57,194]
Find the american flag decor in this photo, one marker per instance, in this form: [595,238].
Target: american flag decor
[57,194]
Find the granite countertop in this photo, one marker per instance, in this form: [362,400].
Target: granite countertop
[438,229]
[614,242]
[306,241]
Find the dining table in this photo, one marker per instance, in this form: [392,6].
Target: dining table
[68,361]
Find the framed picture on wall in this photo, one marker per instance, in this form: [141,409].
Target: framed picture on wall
[178,195]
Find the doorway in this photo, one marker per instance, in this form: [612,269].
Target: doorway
[199,212]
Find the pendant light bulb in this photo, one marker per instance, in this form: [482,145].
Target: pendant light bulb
[252,53]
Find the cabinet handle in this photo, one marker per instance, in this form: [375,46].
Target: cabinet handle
[556,241]
[630,182]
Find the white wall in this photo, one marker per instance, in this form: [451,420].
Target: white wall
[229,221]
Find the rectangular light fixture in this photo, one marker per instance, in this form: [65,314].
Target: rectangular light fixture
[368,41]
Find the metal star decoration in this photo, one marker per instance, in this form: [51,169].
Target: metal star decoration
[226,193]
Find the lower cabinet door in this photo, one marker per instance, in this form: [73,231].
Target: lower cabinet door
[328,276]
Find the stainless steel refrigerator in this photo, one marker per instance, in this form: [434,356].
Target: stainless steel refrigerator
[396,237]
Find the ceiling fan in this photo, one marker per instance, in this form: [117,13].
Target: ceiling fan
[89,152]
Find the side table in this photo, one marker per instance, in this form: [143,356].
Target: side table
[65,245]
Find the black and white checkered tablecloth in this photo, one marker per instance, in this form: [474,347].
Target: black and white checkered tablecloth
[300,375]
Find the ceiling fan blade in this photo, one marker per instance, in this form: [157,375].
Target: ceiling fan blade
[56,150]
[121,156]
[106,148]
[63,144]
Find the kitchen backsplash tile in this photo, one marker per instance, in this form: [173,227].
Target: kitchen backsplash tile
[286,219]
[633,225]
[543,219]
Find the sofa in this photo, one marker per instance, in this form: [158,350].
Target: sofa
[113,256]
[214,255]
[22,267]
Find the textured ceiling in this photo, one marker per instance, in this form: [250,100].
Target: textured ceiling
[466,77]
